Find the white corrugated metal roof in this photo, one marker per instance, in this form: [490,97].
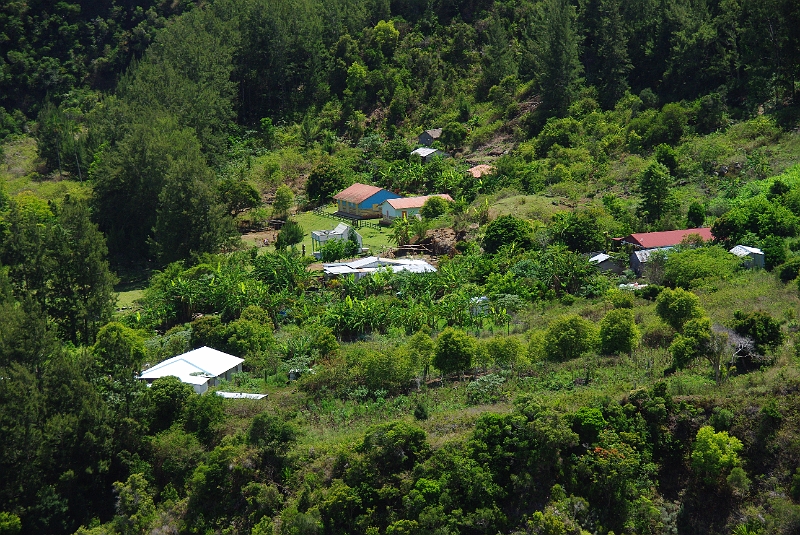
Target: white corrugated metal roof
[194,367]
[371,264]
[744,250]
[239,395]
[602,257]
[424,151]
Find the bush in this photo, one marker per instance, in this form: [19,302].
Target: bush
[714,455]
[454,351]
[658,335]
[790,270]
[333,250]
[507,230]
[762,328]
[569,337]
[678,306]
[290,235]
[485,390]
[693,267]
[618,332]
[620,298]
[434,207]
[588,422]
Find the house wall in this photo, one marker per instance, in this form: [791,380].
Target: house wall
[636,265]
[425,139]
[390,213]
[371,207]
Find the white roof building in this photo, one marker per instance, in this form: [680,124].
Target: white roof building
[342,231]
[754,255]
[201,368]
[371,264]
[427,153]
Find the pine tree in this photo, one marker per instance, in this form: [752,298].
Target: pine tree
[556,52]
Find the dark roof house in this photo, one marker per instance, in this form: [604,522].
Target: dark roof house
[429,136]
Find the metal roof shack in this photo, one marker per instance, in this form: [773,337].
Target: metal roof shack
[357,193]
[753,255]
[365,266]
[427,154]
[200,368]
[429,136]
[668,238]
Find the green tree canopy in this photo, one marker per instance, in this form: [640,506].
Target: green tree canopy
[454,351]
[569,337]
[618,332]
[678,306]
[507,230]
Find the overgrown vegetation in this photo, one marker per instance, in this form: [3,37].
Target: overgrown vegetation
[518,389]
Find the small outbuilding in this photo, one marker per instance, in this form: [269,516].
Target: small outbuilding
[406,207]
[753,257]
[342,232]
[640,258]
[604,262]
[429,136]
[362,201]
[427,154]
[201,368]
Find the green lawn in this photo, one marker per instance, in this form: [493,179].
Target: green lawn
[376,240]
[126,300]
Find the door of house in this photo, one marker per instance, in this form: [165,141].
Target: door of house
[405,214]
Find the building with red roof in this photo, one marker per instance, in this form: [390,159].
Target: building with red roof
[406,207]
[362,201]
[668,238]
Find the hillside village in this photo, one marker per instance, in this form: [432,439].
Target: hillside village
[299,267]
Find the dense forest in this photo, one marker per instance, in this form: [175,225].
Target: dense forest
[149,147]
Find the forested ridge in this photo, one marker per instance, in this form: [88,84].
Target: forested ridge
[147,148]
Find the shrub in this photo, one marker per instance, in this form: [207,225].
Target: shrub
[764,330]
[434,207]
[507,230]
[790,270]
[690,268]
[658,335]
[485,390]
[569,337]
[618,332]
[620,298]
[678,306]
[454,351]
[333,250]
[290,235]
[588,422]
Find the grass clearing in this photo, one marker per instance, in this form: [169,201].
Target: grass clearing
[127,300]
[21,168]
[377,240]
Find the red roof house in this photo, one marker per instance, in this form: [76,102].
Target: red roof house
[407,206]
[668,238]
[362,201]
